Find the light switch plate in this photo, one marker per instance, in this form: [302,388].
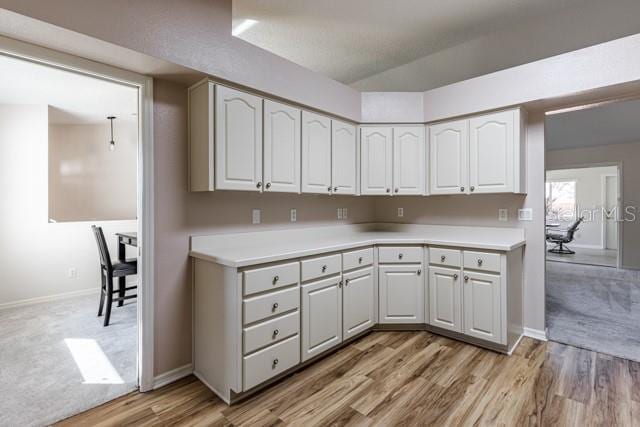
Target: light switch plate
[345,213]
[339,213]
[255,216]
[400,212]
[294,215]
[525,214]
[503,214]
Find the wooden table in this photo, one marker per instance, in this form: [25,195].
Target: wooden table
[125,238]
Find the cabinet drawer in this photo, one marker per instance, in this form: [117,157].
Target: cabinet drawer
[271,304]
[271,361]
[399,254]
[269,278]
[321,267]
[355,259]
[271,331]
[441,256]
[483,261]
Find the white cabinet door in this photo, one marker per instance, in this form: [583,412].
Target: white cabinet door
[491,153]
[375,160]
[343,158]
[445,298]
[238,140]
[401,291]
[448,163]
[408,160]
[358,302]
[281,147]
[321,316]
[316,153]
[482,306]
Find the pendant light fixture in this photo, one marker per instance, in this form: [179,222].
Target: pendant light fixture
[112,143]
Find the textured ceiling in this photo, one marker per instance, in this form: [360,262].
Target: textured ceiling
[353,39]
[615,123]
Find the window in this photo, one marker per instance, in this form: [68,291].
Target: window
[560,200]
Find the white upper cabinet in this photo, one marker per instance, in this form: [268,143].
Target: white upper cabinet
[376,160]
[316,153]
[448,159]
[281,147]
[409,160]
[343,157]
[238,140]
[491,158]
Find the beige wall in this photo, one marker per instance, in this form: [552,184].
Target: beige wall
[36,255]
[87,182]
[180,214]
[628,155]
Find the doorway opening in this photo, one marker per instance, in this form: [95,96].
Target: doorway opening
[74,153]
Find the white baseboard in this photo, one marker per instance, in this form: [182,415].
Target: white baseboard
[536,334]
[48,298]
[581,246]
[172,376]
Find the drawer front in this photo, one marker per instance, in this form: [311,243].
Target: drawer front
[271,331]
[321,267]
[483,261]
[270,278]
[400,254]
[447,257]
[355,259]
[271,361]
[271,304]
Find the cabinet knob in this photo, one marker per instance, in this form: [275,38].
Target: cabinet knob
[276,332]
[275,279]
[472,188]
[388,190]
[466,278]
[455,277]
[340,284]
[461,189]
[396,190]
[324,268]
[275,306]
[442,258]
[400,256]
[479,261]
[346,282]
[268,185]
[329,189]
[419,272]
[275,362]
[335,189]
[259,184]
[360,260]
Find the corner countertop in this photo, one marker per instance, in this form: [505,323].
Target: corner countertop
[251,248]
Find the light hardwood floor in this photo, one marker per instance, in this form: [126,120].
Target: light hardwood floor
[410,378]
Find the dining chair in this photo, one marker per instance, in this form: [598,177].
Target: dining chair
[109,271]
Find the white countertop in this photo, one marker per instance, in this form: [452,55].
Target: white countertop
[250,248]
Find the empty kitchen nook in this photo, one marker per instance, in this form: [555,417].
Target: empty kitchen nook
[267,303]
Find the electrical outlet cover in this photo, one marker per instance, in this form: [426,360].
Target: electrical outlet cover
[400,212]
[339,213]
[503,214]
[294,215]
[255,216]
[345,213]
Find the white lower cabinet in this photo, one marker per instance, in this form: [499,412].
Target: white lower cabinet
[321,316]
[445,298]
[482,306]
[358,302]
[401,289]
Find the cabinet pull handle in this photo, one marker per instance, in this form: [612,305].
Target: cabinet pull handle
[275,362]
[472,188]
[479,262]
[268,185]
[335,189]
[442,258]
[324,268]
[275,306]
[419,272]
[388,190]
[360,260]
[461,189]
[400,256]
[275,279]
[259,184]
[455,277]
[276,332]
[466,278]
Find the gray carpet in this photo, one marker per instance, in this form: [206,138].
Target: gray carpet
[40,380]
[597,308]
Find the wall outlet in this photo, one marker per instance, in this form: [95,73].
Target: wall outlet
[339,213]
[525,214]
[400,212]
[72,273]
[345,213]
[294,215]
[503,214]
[255,216]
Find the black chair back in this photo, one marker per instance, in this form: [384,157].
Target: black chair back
[574,227]
[103,250]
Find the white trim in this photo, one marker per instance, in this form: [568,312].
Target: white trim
[536,334]
[172,376]
[146,241]
[583,246]
[48,298]
[515,346]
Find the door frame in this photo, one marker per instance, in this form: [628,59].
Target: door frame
[618,207]
[145,179]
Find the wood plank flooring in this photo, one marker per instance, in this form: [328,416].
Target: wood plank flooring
[409,378]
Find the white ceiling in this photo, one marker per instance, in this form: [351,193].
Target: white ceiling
[74,98]
[351,40]
[614,123]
